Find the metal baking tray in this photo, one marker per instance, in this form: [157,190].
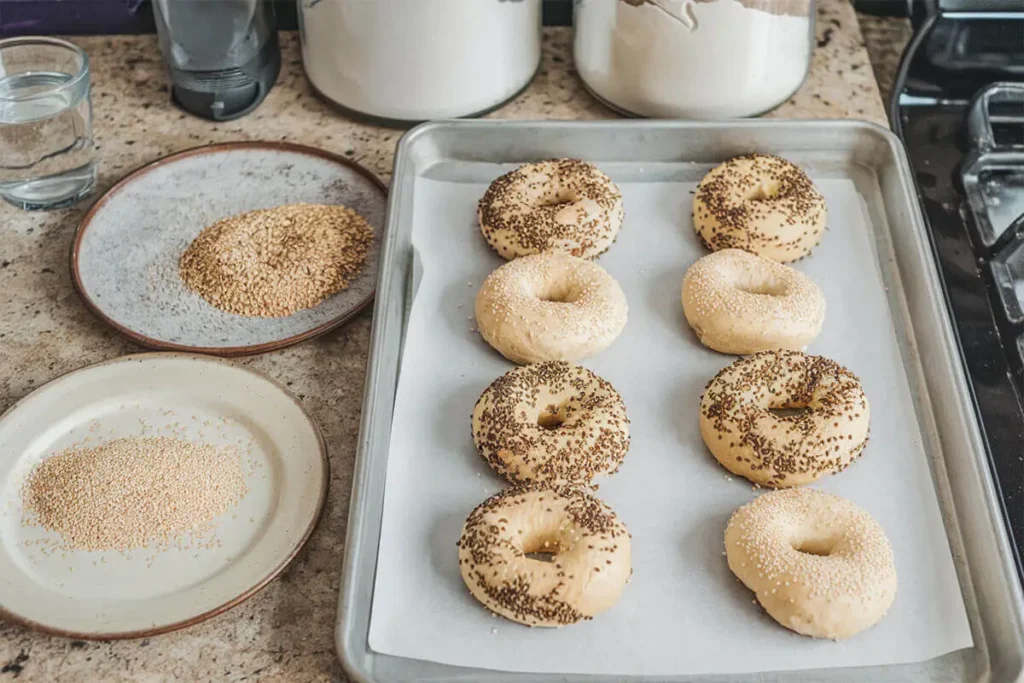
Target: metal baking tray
[869,155]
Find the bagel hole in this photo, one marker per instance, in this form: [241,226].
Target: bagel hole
[768,189]
[541,550]
[815,546]
[558,294]
[762,288]
[770,287]
[551,418]
[559,198]
[788,412]
[541,557]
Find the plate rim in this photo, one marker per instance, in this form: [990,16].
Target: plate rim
[250,591]
[216,148]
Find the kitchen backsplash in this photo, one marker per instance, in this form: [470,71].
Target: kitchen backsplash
[83,17]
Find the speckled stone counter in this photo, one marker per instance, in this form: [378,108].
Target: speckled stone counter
[285,632]
[885,38]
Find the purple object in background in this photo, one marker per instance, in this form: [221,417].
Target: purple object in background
[74,17]
[90,17]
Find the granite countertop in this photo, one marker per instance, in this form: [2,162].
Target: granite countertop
[285,633]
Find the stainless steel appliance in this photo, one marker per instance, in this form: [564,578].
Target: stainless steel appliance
[958,105]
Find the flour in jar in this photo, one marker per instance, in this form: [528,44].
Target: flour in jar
[706,60]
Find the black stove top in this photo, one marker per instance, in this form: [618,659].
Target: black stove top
[959,108]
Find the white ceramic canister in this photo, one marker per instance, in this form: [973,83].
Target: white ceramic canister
[699,59]
[414,60]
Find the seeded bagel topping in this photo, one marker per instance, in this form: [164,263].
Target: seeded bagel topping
[577,529]
[738,402]
[550,306]
[590,514]
[526,208]
[515,597]
[712,283]
[551,421]
[758,202]
[586,512]
[819,564]
[513,287]
[849,533]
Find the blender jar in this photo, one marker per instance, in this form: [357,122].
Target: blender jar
[222,55]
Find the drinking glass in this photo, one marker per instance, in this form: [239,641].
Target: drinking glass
[47,158]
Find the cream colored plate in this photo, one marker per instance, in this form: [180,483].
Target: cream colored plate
[123,595]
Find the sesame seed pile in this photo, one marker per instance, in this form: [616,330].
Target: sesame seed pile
[564,204]
[270,263]
[592,433]
[133,492]
[729,211]
[825,439]
[501,531]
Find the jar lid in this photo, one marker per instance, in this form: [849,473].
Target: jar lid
[679,9]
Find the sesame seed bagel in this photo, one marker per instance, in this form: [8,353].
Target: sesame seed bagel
[818,564]
[551,422]
[563,204]
[590,555]
[550,306]
[783,450]
[741,303]
[760,203]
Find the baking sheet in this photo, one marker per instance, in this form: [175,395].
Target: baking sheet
[684,613]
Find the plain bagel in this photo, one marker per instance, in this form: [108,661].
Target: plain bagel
[760,203]
[550,306]
[588,548]
[741,303]
[818,564]
[563,204]
[552,422]
[826,432]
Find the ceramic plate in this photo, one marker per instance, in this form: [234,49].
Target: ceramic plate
[124,260]
[92,594]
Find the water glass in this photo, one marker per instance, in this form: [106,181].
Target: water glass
[47,158]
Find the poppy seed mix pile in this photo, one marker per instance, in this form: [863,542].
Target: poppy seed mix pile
[270,263]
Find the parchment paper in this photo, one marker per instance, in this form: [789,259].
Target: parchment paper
[684,612]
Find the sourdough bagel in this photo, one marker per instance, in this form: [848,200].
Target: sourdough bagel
[818,564]
[741,303]
[827,431]
[588,549]
[550,306]
[760,203]
[563,204]
[553,422]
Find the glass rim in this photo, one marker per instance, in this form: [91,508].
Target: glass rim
[75,80]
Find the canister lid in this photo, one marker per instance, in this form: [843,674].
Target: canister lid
[679,9]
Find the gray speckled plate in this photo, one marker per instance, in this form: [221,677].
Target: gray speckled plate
[124,260]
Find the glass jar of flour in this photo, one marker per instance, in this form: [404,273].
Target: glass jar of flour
[699,59]
[404,61]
